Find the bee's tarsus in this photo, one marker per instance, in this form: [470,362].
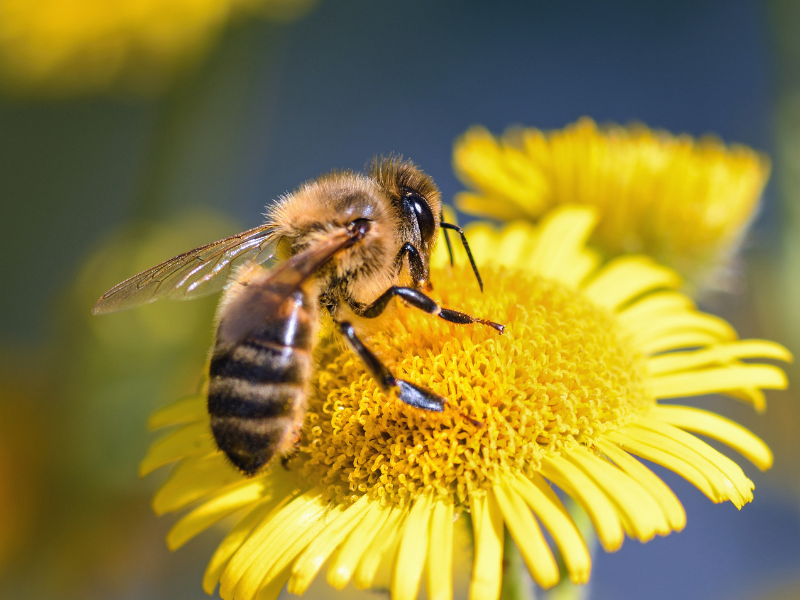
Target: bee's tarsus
[497,326]
[456,316]
[419,397]
[475,422]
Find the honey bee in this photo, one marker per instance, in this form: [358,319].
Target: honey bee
[344,244]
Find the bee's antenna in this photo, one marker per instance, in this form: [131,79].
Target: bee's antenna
[447,226]
[446,239]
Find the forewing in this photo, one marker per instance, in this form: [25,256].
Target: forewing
[263,298]
[196,273]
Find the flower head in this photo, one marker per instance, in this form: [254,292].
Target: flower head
[568,396]
[74,46]
[684,202]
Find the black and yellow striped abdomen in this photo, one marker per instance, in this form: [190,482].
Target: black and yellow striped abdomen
[257,386]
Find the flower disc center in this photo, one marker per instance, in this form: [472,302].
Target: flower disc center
[562,374]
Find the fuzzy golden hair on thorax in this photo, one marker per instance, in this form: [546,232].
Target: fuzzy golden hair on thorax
[333,199]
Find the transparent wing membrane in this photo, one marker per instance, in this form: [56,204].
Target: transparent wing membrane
[199,272]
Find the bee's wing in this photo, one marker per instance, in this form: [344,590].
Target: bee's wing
[263,297]
[196,273]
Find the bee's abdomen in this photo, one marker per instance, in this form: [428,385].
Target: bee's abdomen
[257,394]
[256,362]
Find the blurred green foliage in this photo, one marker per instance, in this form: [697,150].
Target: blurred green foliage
[95,388]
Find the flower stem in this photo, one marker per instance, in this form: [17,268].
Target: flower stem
[517,583]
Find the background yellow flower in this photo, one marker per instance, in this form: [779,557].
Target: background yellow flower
[67,47]
[685,202]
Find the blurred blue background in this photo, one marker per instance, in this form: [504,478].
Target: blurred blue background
[94,187]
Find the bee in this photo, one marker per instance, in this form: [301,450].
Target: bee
[344,244]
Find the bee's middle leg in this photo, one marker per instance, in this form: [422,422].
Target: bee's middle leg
[419,300]
[411,394]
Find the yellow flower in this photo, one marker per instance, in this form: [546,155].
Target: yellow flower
[74,46]
[566,397]
[685,202]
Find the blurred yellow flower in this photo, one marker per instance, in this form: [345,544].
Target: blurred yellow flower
[685,202]
[567,396]
[77,46]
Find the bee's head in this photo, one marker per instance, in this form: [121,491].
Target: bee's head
[416,201]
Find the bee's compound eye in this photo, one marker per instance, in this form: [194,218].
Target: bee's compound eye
[421,210]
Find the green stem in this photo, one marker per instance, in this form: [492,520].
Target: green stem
[517,583]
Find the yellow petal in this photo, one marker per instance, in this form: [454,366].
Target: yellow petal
[562,237]
[666,325]
[718,428]
[677,340]
[307,507]
[554,516]
[718,354]
[413,550]
[314,556]
[236,538]
[488,207]
[642,511]
[274,561]
[627,277]
[500,171]
[192,479]
[487,569]
[655,305]
[753,396]
[208,513]
[717,379]
[581,266]
[528,536]
[514,246]
[371,560]
[272,589]
[185,410]
[725,465]
[673,509]
[440,552]
[190,440]
[345,561]
[686,469]
[593,500]
[724,488]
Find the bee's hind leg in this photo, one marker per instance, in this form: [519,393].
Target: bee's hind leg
[411,394]
[287,458]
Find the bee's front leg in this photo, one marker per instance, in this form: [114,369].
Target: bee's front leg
[419,300]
